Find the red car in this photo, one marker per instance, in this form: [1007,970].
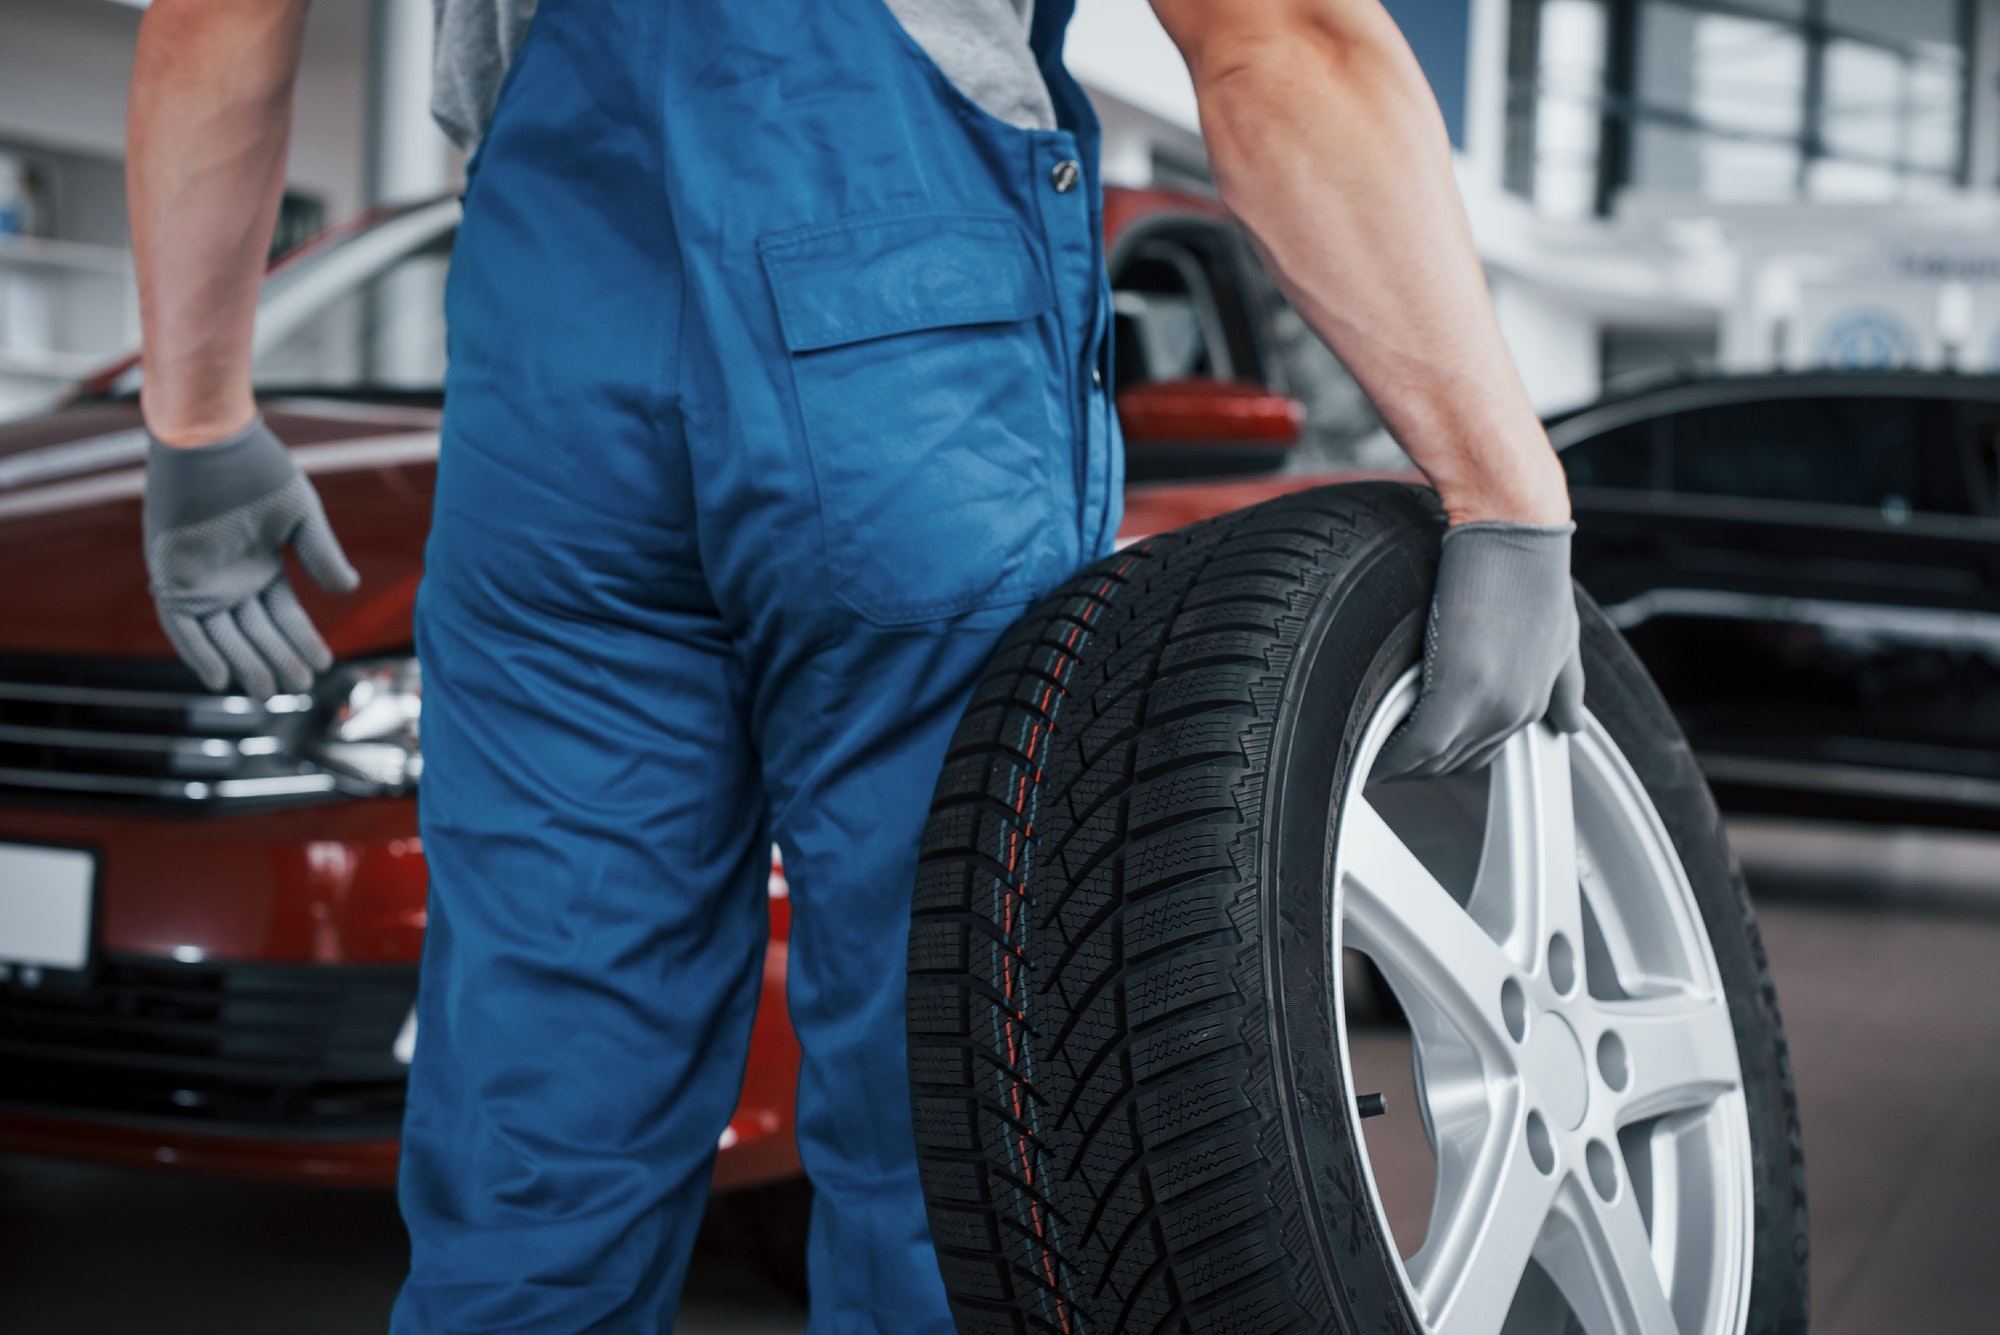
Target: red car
[211,907]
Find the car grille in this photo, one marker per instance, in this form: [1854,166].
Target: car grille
[242,1047]
[135,732]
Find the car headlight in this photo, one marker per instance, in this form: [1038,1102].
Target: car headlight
[364,729]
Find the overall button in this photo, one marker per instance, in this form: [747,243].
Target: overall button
[1064,174]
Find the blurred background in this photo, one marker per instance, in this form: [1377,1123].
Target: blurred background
[1745,253]
[1654,184]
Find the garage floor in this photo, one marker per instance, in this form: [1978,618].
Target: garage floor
[1894,1019]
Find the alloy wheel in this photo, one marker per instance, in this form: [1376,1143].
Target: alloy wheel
[1575,1064]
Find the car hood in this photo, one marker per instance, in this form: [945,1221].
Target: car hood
[72,567]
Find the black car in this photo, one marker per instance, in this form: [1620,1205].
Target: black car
[1809,564]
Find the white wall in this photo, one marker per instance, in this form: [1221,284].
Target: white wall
[330,114]
[63,69]
[65,64]
[1118,47]
[409,158]
[1484,156]
[1985,146]
[1553,342]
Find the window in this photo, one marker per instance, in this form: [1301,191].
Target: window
[300,218]
[1342,428]
[384,335]
[1630,355]
[1981,449]
[1179,309]
[1855,452]
[1190,300]
[1891,456]
[1555,117]
[1735,100]
[1621,459]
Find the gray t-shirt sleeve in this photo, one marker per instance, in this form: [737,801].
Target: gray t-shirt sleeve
[981,45]
[476,41]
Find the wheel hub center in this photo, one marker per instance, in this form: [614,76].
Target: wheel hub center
[1558,1079]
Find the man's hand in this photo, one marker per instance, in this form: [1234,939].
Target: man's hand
[1500,650]
[208,126]
[218,519]
[1327,143]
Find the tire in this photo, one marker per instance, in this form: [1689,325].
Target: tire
[1129,1055]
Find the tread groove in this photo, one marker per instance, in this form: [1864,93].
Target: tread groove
[1130,1155]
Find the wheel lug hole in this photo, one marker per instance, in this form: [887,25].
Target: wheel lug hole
[1514,1009]
[1603,1167]
[1541,1146]
[1562,964]
[1612,1062]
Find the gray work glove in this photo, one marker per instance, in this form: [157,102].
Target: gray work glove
[1500,650]
[218,518]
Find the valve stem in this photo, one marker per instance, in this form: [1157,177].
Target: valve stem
[1372,1105]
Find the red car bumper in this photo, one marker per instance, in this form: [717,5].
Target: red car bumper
[253,971]
[252,974]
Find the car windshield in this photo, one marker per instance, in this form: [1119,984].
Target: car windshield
[1889,453]
[361,318]
[382,335]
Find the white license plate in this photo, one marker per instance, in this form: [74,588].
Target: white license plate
[45,906]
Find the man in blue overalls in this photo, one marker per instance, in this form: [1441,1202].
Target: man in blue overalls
[777,389]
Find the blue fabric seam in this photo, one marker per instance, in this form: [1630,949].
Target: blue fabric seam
[806,331]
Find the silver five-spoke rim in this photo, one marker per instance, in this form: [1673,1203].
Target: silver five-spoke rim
[1572,1048]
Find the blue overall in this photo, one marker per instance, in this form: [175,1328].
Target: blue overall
[776,393]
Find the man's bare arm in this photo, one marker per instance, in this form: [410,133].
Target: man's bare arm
[208,127]
[1327,143]
[207,131]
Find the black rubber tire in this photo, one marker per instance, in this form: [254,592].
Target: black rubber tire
[1120,1001]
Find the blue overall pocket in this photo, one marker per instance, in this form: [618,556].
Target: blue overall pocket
[928,368]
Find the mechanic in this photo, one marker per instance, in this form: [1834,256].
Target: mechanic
[778,345]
